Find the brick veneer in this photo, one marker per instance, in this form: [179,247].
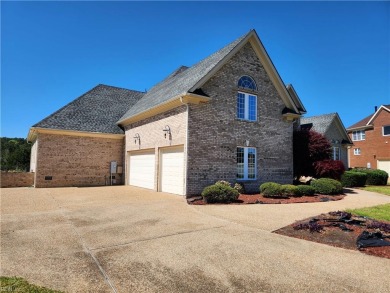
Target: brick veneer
[76,160]
[375,146]
[214,132]
[17,179]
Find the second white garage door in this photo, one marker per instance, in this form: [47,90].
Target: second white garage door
[385,166]
[142,169]
[172,170]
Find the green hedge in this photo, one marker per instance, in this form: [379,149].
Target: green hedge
[305,190]
[271,189]
[353,179]
[374,177]
[219,193]
[289,190]
[327,186]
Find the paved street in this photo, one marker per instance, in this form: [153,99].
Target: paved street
[126,239]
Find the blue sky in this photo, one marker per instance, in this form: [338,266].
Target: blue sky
[336,54]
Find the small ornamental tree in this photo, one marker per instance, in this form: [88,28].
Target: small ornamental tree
[329,169]
[309,147]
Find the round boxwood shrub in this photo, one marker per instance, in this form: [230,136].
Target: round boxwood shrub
[305,190]
[377,177]
[219,193]
[353,179]
[289,190]
[327,186]
[270,189]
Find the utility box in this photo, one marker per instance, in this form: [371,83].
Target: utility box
[113,167]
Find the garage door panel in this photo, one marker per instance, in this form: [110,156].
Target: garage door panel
[172,171]
[142,169]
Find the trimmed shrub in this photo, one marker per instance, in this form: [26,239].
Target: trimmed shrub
[329,169]
[306,190]
[289,190]
[374,177]
[239,187]
[219,193]
[353,179]
[271,189]
[327,186]
[223,182]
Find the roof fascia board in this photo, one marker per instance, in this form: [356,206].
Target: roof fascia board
[377,112]
[265,60]
[35,130]
[296,97]
[364,127]
[185,98]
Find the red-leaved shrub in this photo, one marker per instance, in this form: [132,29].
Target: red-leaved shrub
[329,169]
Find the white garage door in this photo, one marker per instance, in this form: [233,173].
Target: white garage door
[385,166]
[172,170]
[142,168]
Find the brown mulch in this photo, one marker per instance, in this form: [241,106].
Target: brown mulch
[260,199]
[335,236]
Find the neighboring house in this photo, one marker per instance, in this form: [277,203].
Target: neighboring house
[371,139]
[331,126]
[228,117]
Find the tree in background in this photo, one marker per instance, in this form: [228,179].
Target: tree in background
[310,147]
[15,154]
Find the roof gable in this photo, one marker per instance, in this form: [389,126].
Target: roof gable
[95,111]
[323,123]
[366,122]
[191,79]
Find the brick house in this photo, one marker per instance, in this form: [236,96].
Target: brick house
[371,141]
[331,126]
[229,117]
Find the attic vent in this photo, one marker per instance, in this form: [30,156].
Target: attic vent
[48,177]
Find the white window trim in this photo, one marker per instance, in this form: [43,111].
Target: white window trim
[383,130]
[357,151]
[360,135]
[246,107]
[246,168]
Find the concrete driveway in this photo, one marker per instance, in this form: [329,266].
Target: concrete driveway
[126,239]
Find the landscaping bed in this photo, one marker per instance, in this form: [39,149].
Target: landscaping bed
[260,199]
[329,229]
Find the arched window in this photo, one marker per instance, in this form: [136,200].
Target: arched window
[247,82]
[246,103]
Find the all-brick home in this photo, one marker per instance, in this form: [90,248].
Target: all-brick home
[230,116]
[371,140]
[331,126]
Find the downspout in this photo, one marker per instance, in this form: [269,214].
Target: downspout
[186,146]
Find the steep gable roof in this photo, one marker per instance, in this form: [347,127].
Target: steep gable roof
[322,124]
[95,111]
[366,122]
[190,80]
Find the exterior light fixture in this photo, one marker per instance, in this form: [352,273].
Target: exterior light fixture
[137,138]
[167,131]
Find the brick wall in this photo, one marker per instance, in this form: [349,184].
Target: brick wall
[76,160]
[214,131]
[151,135]
[375,146]
[17,179]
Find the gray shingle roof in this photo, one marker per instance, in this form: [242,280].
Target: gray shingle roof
[97,110]
[182,80]
[321,123]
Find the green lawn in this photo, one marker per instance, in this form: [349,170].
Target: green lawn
[380,189]
[15,284]
[381,212]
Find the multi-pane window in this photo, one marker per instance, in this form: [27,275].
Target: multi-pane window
[386,130]
[356,151]
[358,135]
[246,163]
[247,103]
[336,153]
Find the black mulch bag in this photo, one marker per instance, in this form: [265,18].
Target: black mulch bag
[368,239]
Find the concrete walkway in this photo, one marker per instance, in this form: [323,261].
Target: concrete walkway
[125,239]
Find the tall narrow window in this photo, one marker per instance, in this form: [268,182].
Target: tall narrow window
[336,153]
[246,163]
[246,103]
